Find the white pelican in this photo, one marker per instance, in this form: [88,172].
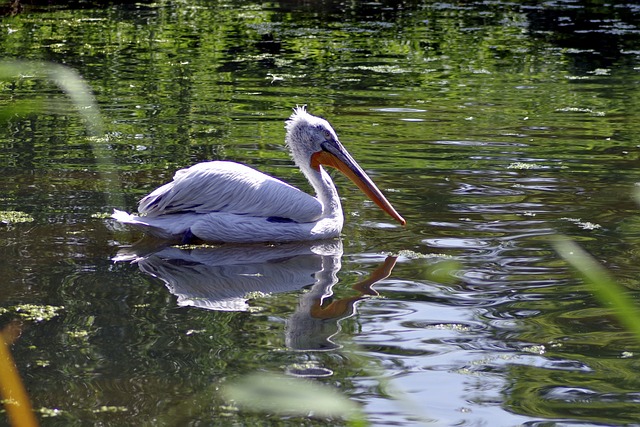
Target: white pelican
[222,201]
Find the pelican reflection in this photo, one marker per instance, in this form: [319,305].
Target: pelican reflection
[225,277]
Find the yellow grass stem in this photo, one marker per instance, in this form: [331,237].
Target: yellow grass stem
[15,398]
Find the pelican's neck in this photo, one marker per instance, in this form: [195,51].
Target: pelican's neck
[326,191]
[302,131]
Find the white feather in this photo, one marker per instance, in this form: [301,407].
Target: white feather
[231,188]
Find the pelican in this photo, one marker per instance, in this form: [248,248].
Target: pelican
[222,201]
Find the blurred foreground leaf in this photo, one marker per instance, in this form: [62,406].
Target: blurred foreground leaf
[14,396]
[273,393]
[602,284]
[67,79]
[76,88]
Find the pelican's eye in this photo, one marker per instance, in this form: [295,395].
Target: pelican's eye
[327,134]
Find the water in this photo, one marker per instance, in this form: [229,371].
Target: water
[491,126]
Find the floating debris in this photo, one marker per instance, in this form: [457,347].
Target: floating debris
[384,69]
[580,110]
[50,412]
[14,217]
[585,225]
[32,312]
[535,349]
[577,77]
[110,409]
[193,247]
[457,327]
[256,295]
[101,215]
[78,334]
[522,165]
[406,253]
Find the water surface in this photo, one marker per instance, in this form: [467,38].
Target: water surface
[491,126]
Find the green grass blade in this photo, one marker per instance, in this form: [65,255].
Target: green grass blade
[606,289]
[81,95]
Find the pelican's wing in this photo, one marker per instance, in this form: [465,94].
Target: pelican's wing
[231,188]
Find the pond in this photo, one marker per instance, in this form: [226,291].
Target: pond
[492,127]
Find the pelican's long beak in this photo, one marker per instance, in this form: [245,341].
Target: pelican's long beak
[335,155]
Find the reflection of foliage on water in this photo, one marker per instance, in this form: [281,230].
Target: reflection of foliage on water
[442,49]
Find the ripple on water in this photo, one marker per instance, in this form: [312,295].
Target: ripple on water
[457,243]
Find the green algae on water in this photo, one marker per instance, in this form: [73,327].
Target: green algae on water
[14,217]
[33,312]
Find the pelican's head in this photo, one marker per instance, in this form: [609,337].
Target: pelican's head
[314,143]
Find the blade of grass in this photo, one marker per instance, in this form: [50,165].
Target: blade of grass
[67,79]
[15,397]
[76,88]
[606,289]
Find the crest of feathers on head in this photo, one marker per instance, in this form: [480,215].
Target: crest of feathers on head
[299,112]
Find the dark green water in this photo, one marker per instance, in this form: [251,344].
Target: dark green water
[491,126]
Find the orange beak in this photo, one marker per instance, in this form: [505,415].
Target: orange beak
[336,156]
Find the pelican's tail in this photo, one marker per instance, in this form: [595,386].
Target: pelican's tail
[168,227]
[124,217]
